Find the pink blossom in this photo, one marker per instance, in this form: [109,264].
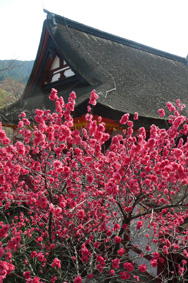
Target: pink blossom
[135,116]
[117,239]
[124,226]
[56,263]
[165,250]
[139,224]
[81,214]
[93,98]
[170,107]
[124,119]
[128,266]
[90,178]
[96,245]
[53,94]
[73,95]
[124,275]
[27,274]
[154,262]
[177,152]
[115,263]
[20,124]
[71,195]
[161,112]
[121,252]
[78,279]
[111,272]
[100,267]
[33,254]
[142,268]
[116,226]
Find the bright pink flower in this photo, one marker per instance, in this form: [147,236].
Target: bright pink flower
[161,112]
[23,114]
[170,106]
[156,255]
[148,248]
[124,119]
[168,243]
[5,269]
[139,224]
[117,176]
[124,226]
[142,268]
[100,267]
[36,279]
[154,262]
[43,202]
[56,263]
[27,274]
[177,152]
[130,124]
[111,272]
[121,252]
[73,95]
[78,279]
[2,135]
[40,257]
[53,94]
[33,254]
[137,278]
[108,233]
[96,245]
[184,262]
[128,266]
[20,124]
[90,178]
[135,116]
[81,214]
[93,98]
[117,239]
[116,227]
[124,275]
[178,103]
[101,260]
[115,263]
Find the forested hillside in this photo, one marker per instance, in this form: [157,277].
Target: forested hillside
[15,69]
[14,75]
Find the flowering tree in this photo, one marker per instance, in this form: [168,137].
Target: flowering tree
[70,212]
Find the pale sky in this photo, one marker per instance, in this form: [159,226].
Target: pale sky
[162,24]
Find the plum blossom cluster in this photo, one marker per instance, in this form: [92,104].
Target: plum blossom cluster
[71,212]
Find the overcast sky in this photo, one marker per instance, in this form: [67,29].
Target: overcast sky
[162,24]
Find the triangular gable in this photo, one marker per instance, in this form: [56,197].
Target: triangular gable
[51,70]
[56,69]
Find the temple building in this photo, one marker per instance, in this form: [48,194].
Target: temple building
[127,76]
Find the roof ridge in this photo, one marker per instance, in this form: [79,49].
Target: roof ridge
[99,33]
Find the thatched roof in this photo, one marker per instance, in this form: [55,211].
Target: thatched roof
[128,76]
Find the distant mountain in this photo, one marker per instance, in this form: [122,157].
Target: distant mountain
[14,75]
[16,70]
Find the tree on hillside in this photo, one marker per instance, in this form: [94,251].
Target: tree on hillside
[10,64]
[10,91]
[15,69]
[73,213]
[13,87]
[10,86]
